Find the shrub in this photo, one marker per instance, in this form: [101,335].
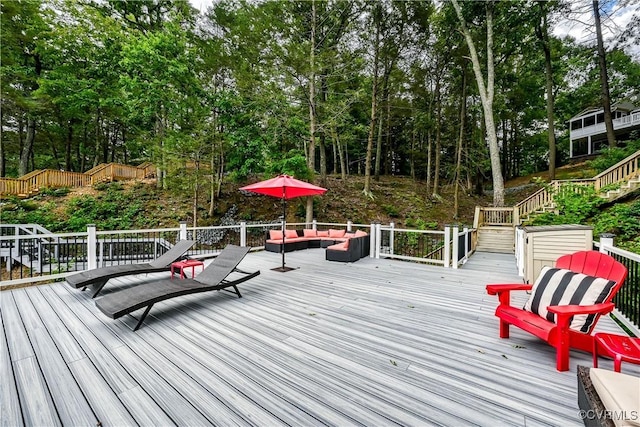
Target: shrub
[55,192]
[611,156]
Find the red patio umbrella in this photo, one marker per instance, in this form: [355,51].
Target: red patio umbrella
[284,187]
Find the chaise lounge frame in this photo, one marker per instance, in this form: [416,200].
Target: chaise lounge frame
[213,278]
[99,277]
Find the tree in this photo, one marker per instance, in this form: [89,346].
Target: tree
[377,22]
[486,91]
[542,32]
[605,97]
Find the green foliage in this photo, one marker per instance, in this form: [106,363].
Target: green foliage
[421,224]
[391,210]
[16,211]
[611,156]
[54,192]
[575,204]
[580,205]
[623,220]
[294,164]
[114,210]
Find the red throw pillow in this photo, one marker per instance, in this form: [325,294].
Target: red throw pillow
[323,233]
[309,232]
[340,246]
[336,233]
[275,234]
[349,235]
[360,233]
[291,234]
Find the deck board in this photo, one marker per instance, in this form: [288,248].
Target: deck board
[377,342]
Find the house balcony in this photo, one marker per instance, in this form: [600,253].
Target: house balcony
[621,123]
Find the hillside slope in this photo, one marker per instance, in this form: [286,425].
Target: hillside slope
[128,205]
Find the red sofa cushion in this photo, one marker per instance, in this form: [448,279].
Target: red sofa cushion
[336,233]
[291,234]
[309,232]
[275,234]
[324,233]
[344,246]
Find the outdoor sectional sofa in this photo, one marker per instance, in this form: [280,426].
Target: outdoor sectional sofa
[341,245]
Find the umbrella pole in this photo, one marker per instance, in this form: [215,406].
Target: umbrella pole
[283,269]
[284,229]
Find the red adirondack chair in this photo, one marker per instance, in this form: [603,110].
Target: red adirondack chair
[559,335]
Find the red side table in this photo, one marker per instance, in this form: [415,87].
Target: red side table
[620,347]
[181,265]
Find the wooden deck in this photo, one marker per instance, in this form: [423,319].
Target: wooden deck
[374,343]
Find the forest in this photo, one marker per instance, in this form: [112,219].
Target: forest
[455,92]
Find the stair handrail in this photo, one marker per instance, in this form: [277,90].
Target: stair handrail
[37,179]
[96,169]
[624,170]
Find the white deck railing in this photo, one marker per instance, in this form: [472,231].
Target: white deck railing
[31,257]
[600,128]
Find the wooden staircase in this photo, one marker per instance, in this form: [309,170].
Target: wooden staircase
[496,226]
[31,183]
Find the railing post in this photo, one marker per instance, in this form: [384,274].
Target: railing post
[349,225]
[183,231]
[476,218]
[606,239]
[243,234]
[314,224]
[456,247]
[372,241]
[516,216]
[92,240]
[391,235]
[447,245]
[467,241]
[378,239]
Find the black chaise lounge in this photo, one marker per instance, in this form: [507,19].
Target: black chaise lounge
[213,278]
[99,277]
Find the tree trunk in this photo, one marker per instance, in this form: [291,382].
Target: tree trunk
[604,78]
[195,194]
[68,144]
[463,114]
[436,168]
[486,96]
[96,141]
[428,161]
[311,156]
[372,124]
[323,137]
[412,162]
[25,155]
[388,168]
[376,173]
[542,32]
[338,144]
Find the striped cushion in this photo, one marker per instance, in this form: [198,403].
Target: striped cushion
[557,286]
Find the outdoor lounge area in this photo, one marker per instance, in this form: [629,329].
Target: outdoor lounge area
[378,342]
